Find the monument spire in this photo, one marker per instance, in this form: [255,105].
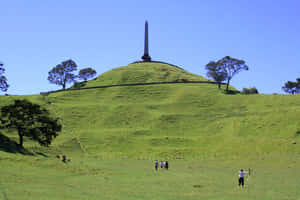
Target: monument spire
[146,57]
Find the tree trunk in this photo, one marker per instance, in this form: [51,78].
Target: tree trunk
[20,139]
[219,85]
[64,86]
[228,81]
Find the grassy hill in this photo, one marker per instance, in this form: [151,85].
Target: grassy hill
[143,73]
[113,135]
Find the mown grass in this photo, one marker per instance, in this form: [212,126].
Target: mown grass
[143,73]
[97,178]
[113,135]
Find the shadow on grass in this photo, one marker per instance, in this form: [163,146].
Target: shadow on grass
[298,133]
[41,154]
[78,85]
[231,92]
[11,146]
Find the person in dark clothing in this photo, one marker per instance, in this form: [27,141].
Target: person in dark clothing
[156,165]
[241,177]
[64,158]
[166,165]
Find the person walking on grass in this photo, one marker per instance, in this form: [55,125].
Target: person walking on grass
[161,164]
[156,165]
[166,165]
[241,177]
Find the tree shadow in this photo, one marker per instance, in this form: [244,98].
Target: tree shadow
[78,85]
[231,92]
[8,145]
[41,154]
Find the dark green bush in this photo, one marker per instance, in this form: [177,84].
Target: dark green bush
[251,90]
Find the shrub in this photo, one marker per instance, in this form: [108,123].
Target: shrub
[78,85]
[251,90]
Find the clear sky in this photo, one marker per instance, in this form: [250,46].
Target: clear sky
[36,35]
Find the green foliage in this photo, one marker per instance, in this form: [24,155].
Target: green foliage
[292,87]
[216,72]
[3,81]
[30,120]
[251,90]
[86,73]
[62,73]
[231,66]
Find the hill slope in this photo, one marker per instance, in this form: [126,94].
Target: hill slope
[170,121]
[143,73]
[112,136]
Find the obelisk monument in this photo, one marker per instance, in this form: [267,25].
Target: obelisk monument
[146,57]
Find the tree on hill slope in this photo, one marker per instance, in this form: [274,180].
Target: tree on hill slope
[30,120]
[86,73]
[3,81]
[231,66]
[292,87]
[215,72]
[62,73]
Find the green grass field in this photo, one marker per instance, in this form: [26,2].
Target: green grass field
[97,178]
[113,135]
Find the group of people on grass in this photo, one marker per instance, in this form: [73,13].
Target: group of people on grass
[241,172]
[162,165]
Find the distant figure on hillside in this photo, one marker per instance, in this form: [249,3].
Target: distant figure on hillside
[64,158]
[156,165]
[166,165]
[241,177]
[161,164]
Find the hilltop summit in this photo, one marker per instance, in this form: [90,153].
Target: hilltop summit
[144,72]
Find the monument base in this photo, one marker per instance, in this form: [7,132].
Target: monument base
[146,58]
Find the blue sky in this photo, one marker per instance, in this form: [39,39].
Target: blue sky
[37,35]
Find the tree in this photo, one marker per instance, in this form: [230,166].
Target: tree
[86,73]
[215,72]
[30,120]
[231,66]
[62,73]
[3,81]
[292,87]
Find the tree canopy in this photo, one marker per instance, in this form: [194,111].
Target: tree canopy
[30,120]
[62,73]
[3,81]
[292,87]
[215,72]
[86,73]
[231,67]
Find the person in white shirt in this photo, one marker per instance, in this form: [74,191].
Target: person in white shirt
[241,177]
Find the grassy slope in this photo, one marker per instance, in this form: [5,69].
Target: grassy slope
[215,134]
[143,73]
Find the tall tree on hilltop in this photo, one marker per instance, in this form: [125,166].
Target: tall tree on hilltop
[292,87]
[86,73]
[215,72]
[62,73]
[30,120]
[231,66]
[3,81]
